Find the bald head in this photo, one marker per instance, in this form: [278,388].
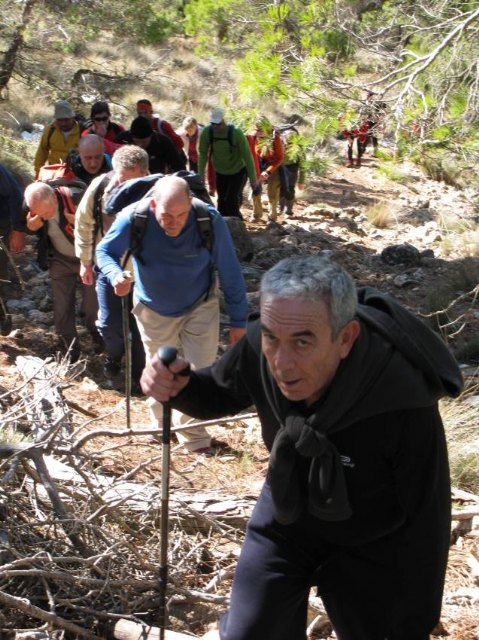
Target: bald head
[91,150]
[171,203]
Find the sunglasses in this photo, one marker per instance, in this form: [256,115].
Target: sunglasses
[101,118]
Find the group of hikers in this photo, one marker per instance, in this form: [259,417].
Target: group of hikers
[346,382]
[362,129]
[219,152]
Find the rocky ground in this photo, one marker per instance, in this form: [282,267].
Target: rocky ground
[431,274]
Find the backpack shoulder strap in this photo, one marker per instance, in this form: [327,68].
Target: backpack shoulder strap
[204,223]
[65,203]
[230,129]
[139,221]
[97,202]
[50,133]
[229,133]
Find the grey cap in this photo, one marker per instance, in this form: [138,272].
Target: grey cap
[217,115]
[63,109]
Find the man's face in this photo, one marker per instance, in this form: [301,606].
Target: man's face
[298,346]
[91,157]
[129,174]
[144,143]
[65,124]
[46,209]
[218,126]
[144,112]
[172,214]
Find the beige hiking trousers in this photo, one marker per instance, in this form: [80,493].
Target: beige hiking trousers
[196,337]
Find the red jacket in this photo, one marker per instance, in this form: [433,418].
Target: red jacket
[164,127]
[273,156]
[361,132]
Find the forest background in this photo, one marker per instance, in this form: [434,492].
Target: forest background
[308,59]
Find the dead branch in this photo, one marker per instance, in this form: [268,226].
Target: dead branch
[24,605]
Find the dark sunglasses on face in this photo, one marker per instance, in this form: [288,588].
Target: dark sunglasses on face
[101,118]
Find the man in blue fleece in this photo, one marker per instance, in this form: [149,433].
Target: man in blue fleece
[357,497]
[176,285]
[12,233]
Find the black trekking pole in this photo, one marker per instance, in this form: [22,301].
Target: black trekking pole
[167,355]
[125,318]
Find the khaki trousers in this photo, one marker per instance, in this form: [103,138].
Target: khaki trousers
[196,337]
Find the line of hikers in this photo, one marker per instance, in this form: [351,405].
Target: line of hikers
[219,152]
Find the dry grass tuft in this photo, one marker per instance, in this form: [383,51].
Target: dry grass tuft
[380,215]
[460,421]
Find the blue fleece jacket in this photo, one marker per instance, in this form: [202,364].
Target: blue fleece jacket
[174,274]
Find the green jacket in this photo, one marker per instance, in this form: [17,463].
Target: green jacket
[227,158]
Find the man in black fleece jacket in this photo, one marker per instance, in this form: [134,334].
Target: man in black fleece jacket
[357,497]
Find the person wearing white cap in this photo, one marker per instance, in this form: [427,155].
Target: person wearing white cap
[230,154]
[59,137]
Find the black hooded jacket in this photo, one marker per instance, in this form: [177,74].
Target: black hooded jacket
[382,442]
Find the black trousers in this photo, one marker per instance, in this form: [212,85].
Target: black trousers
[230,192]
[364,588]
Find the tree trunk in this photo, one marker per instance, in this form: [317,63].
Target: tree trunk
[10,57]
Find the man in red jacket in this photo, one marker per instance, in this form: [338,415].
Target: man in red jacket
[144,109]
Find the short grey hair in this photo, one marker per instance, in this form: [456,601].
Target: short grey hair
[314,278]
[129,156]
[38,192]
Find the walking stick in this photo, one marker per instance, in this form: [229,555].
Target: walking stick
[125,319]
[166,355]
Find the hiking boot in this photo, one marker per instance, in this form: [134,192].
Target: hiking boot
[5,324]
[70,348]
[111,368]
[349,164]
[358,162]
[74,353]
[98,344]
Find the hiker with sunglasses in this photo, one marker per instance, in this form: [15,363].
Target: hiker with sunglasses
[101,125]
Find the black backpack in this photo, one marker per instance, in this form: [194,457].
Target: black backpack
[139,222]
[140,191]
[229,136]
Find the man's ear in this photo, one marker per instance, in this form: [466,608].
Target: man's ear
[348,336]
[153,205]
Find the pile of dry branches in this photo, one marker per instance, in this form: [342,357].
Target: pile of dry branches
[79,550]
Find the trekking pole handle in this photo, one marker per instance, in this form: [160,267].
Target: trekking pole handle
[167,354]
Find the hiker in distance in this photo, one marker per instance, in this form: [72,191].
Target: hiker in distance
[176,296]
[227,148]
[357,497]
